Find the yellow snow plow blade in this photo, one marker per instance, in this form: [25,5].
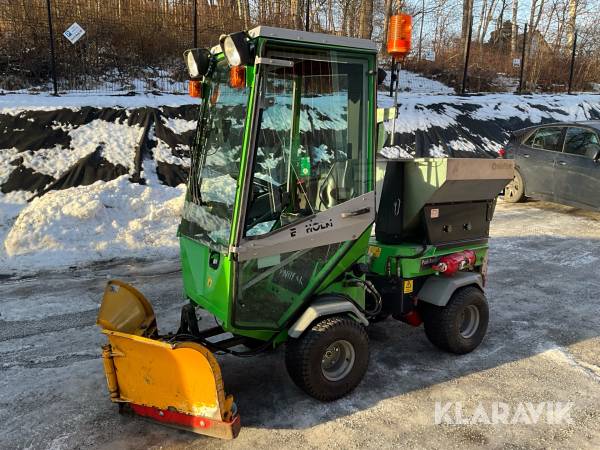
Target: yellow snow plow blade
[175,383]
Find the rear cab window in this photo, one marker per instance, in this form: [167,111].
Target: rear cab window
[548,138]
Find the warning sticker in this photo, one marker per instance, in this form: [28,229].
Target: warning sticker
[408,286]
[374,251]
[435,213]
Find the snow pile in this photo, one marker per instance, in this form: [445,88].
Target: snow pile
[97,222]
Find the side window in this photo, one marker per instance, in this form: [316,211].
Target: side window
[579,140]
[546,139]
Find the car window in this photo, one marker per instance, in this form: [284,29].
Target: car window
[579,140]
[546,138]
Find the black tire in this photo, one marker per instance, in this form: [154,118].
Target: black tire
[306,364]
[514,192]
[449,330]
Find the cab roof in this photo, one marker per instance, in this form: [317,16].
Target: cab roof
[309,37]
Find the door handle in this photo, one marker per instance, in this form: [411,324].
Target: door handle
[562,163]
[358,212]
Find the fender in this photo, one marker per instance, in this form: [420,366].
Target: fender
[324,307]
[437,290]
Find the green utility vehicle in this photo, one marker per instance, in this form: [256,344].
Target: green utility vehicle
[293,232]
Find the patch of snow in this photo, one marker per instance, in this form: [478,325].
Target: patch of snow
[164,153]
[322,153]
[396,152]
[438,151]
[414,115]
[96,222]
[118,142]
[16,103]
[220,189]
[414,83]
[6,157]
[180,126]
[461,144]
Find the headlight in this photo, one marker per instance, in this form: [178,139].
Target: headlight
[231,52]
[192,66]
[197,61]
[237,49]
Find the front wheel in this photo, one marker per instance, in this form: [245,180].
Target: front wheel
[514,192]
[460,326]
[329,360]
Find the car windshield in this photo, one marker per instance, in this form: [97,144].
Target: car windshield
[215,165]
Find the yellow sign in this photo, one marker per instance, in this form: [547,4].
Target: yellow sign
[408,286]
[374,251]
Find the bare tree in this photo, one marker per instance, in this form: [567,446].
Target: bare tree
[515,27]
[296,7]
[366,19]
[467,15]
[571,24]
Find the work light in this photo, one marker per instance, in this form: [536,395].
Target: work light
[197,61]
[236,49]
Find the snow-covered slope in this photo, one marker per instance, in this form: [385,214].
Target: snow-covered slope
[89,163]
[458,126]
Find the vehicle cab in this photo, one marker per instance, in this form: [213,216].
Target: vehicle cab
[281,186]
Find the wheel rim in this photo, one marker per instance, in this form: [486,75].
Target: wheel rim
[514,187]
[338,360]
[469,322]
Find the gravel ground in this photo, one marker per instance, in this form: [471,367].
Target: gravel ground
[542,346]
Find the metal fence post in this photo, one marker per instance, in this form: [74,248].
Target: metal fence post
[51,38]
[572,69]
[463,88]
[523,53]
[307,22]
[392,72]
[195,12]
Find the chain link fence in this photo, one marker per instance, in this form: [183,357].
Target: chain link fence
[530,64]
[136,46]
[128,45]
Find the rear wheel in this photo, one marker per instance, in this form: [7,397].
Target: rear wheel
[329,360]
[460,326]
[514,192]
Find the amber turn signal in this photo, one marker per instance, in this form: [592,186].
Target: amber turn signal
[237,77]
[195,89]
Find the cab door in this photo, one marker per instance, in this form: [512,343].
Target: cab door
[310,194]
[577,172]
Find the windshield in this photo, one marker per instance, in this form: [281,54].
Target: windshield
[215,164]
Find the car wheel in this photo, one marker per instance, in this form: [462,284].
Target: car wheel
[514,192]
[329,360]
[460,326]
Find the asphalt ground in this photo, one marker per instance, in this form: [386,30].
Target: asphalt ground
[539,364]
